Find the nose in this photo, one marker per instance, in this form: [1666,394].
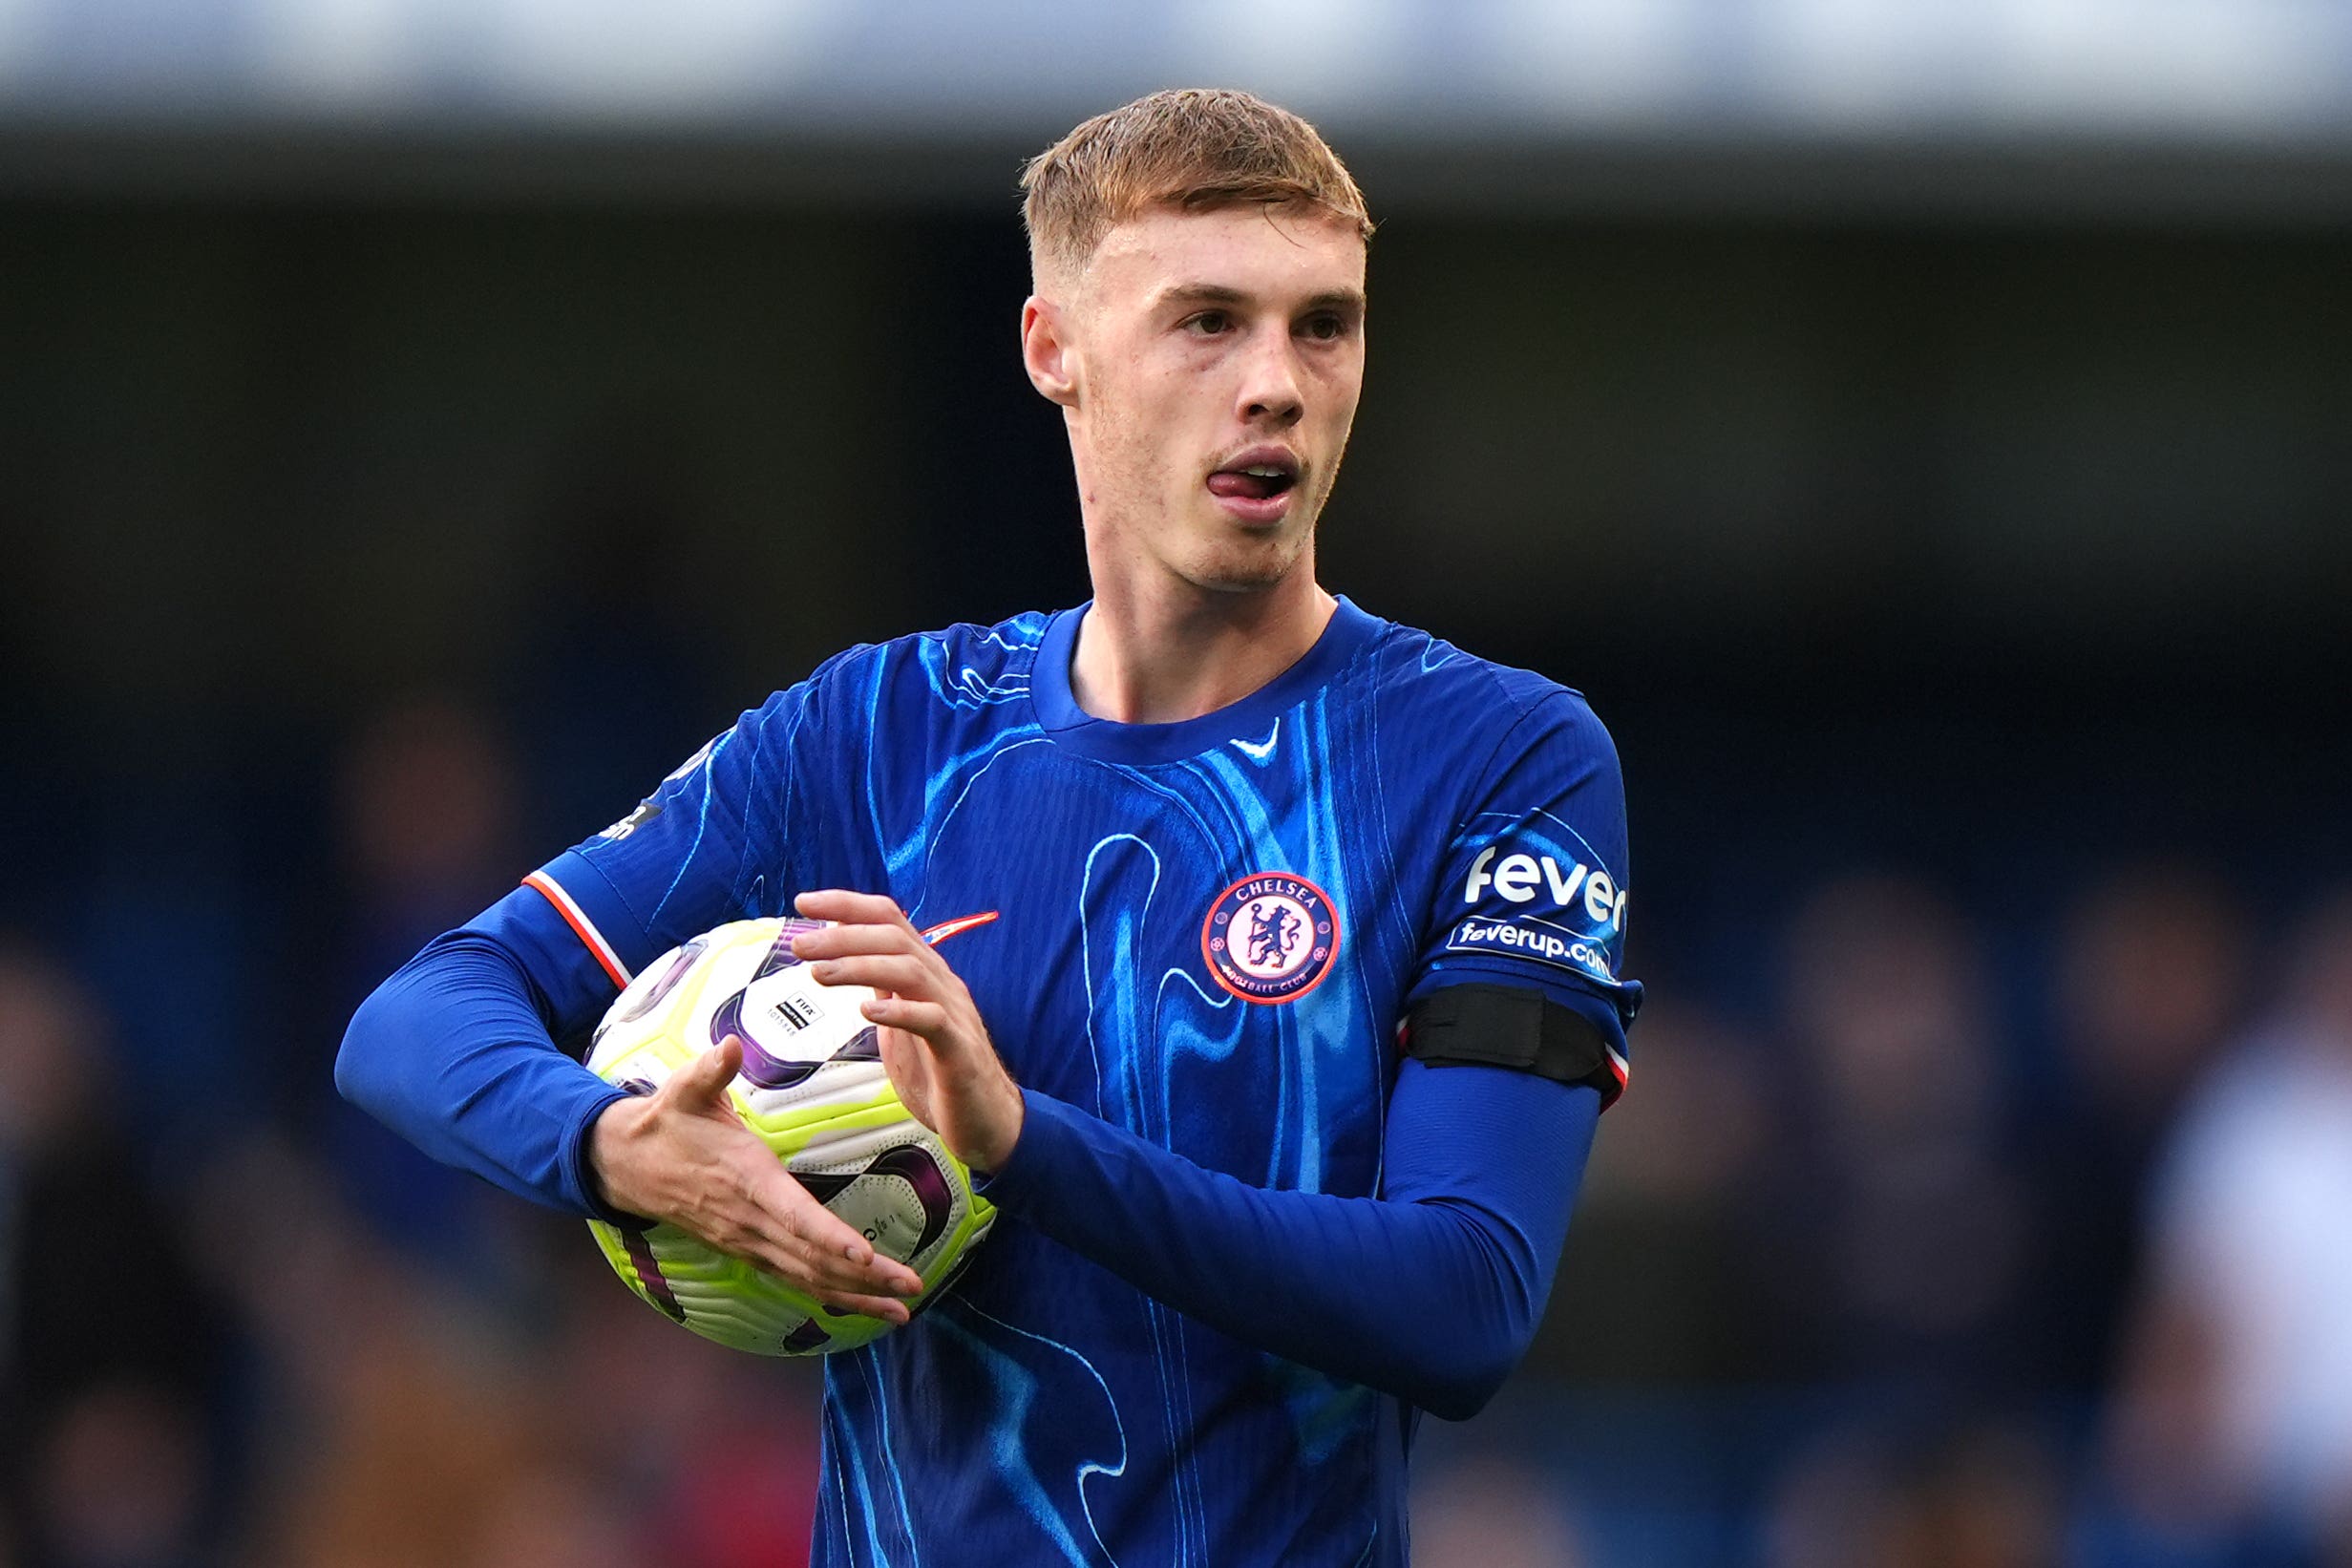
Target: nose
[1272,389]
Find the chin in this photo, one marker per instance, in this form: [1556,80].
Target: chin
[1247,569]
[1236,582]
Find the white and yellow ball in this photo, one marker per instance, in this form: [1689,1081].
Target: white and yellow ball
[813,1088]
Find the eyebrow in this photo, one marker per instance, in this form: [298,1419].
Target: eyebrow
[1212,293]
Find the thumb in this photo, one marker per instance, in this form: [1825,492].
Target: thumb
[706,1076]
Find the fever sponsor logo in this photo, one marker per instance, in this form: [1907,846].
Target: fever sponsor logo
[1270,937]
[1533,938]
[1524,878]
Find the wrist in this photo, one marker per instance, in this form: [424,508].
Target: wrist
[1005,1137]
[614,1129]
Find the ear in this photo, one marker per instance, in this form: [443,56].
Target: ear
[1047,351]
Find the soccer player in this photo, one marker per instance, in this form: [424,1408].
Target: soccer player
[1277,986]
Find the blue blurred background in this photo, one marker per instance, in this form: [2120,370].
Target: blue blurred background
[1924,429]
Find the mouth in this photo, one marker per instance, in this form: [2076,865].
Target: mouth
[1257,485]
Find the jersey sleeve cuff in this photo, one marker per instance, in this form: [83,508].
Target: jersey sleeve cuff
[584,1191]
[594,909]
[1049,1137]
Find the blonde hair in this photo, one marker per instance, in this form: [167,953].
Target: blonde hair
[1189,148]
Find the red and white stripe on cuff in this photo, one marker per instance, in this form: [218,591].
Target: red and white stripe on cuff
[581,926]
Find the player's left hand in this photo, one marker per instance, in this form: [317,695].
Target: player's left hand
[934,1044]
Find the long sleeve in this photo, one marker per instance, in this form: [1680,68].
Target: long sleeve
[1430,1292]
[456,1051]
[455,1054]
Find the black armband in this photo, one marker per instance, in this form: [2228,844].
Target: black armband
[1508,1026]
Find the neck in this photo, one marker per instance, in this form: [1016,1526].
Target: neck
[1170,651]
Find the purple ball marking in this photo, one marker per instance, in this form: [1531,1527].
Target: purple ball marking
[759,1066]
[650,1274]
[780,955]
[679,964]
[912,1164]
[811,1335]
[728,1019]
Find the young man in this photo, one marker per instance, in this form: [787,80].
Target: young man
[1234,833]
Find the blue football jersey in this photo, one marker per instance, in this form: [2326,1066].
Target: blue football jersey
[1205,933]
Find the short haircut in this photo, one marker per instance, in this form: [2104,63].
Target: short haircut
[1193,149]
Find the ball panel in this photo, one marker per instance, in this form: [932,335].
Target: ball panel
[653,986]
[841,1104]
[815,1091]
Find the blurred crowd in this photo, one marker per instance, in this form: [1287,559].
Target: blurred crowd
[1938,1266]
[1961,1252]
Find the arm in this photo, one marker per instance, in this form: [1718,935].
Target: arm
[1430,1292]
[455,1054]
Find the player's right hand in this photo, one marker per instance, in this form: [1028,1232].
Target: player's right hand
[684,1157]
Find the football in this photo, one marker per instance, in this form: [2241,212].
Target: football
[814,1089]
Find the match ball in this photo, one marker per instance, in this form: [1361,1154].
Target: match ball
[814,1089]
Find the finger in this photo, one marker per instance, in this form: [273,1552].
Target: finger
[885,972]
[830,1278]
[884,1279]
[851,1296]
[835,1253]
[926,1018]
[884,1307]
[706,1077]
[809,1267]
[835,903]
[846,941]
[796,1214]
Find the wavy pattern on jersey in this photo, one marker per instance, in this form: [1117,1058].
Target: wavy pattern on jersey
[974,671]
[857,1520]
[1127,1040]
[998,674]
[1047,1408]
[1164,1044]
[696,777]
[1281,813]
[1015,1364]
[862,1368]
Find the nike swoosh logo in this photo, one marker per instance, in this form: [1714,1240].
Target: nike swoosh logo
[937,934]
[1262,749]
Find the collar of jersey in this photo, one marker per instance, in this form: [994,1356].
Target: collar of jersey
[1250,719]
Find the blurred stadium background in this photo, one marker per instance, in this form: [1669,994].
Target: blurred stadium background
[1925,428]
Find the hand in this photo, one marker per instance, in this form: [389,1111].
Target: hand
[683,1155]
[934,1044]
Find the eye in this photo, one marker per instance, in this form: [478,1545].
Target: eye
[1207,324]
[1324,327]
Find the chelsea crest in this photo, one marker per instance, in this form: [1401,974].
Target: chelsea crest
[1270,937]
